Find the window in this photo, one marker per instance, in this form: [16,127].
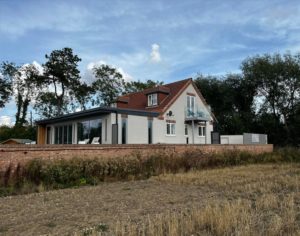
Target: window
[56,135]
[70,134]
[152,99]
[190,105]
[186,130]
[202,131]
[170,128]
[89,129]
[63,134]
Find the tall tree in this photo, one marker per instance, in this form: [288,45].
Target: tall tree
[23,83]
[231,100]
[63,78]
[109,84]
[136,86]
[83,94]
[277,78]
[6,70]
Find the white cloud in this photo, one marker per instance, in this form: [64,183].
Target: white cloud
[5,120]
[155,54]
[89,77]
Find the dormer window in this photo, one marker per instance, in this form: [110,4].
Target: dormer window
[152,99]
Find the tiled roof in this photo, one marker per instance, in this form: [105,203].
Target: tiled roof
[139,101]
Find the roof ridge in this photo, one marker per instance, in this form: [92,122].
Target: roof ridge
[164,85]
[179,81]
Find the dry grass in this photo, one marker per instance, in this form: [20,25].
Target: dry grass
[250,200]
[245,200]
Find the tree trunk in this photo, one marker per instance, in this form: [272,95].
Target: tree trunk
[19,108]
[24,112]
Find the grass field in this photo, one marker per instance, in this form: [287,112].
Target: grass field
[243,200]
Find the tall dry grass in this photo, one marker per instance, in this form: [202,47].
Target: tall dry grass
[40,175]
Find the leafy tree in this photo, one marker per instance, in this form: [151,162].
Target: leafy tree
[83,94]
[63,78]
[26,132]
[136,86]
[46,104]
[108,86]
[24,89]
[231,100]
[5,83]
[277,78]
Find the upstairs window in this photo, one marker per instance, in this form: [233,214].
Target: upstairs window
[152,99]
[190,102]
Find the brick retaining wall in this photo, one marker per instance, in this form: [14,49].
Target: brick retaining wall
[21,153]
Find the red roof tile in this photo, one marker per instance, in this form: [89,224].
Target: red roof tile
[138,100]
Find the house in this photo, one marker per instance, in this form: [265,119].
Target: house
[13,141]
[174,113]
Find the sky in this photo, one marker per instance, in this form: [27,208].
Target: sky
[158,40]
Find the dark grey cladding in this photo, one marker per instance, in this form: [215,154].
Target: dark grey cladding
[96,112]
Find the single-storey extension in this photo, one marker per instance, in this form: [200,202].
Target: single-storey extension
[174,113]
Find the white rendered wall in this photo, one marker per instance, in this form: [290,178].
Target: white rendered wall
[178,109]
[137,129]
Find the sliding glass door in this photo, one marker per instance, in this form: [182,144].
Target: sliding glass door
[63,134]
[89,129]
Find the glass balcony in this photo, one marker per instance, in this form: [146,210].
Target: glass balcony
[198,114]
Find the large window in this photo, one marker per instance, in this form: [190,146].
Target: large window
[83,130]
[63,134]
[89,129]
[202,130]
[170,128]
[190,105]
[152,99]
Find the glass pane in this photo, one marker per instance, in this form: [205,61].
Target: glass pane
[96,130]
[56,135]
[173,128]
[204,131]
[193,104]
[60,135]
[70,134]
[79,132]
[83,130]
[154,99]
[149,100]
[168,129]
[65,134]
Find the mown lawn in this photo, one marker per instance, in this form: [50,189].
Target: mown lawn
[243,200]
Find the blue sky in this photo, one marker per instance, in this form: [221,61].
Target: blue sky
[159,40]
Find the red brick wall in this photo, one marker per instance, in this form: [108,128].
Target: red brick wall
[21,153]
